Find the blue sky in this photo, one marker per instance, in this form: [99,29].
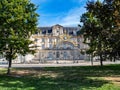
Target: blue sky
[63,12]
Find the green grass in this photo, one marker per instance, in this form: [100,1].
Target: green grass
[62,78]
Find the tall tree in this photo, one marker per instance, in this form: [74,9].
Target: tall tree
[101,26]
[92,29]
[18,21]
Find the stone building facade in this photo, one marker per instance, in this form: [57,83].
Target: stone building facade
[58,43]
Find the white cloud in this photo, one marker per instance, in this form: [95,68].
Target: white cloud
[70,18]
[73,17]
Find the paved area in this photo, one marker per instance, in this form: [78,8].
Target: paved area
[58,65]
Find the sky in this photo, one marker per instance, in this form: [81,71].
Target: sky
[63,12]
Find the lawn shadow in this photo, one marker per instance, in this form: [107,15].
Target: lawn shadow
[62,78]
[49,83]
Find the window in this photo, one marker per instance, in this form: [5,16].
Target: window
[78,45]
[65,47]
[43,40]
[43,46]
[65,55]
[50,56]
[43,31]
[50,40]
[57,55]
[50,46]
[71,33]
[49,31]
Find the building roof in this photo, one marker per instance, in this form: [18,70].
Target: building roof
[64,28]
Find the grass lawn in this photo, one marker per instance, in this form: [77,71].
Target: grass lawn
[62,78]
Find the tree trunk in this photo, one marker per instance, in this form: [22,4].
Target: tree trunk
[101,60]
[111,58]
[114,59]
[10,61]
[9,66]
[91,59]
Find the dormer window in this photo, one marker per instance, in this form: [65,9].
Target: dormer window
[57,29]
[43,31]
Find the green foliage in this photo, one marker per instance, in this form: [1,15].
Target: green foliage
[101,27]
[18,21]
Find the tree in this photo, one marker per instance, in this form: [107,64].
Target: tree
[18,21]
[92,29]
[101,26]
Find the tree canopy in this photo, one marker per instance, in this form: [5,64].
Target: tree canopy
[18,21]
[101,27]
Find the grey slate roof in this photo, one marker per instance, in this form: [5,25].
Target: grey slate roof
[49,29]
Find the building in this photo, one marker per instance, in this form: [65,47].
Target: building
[58,43]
